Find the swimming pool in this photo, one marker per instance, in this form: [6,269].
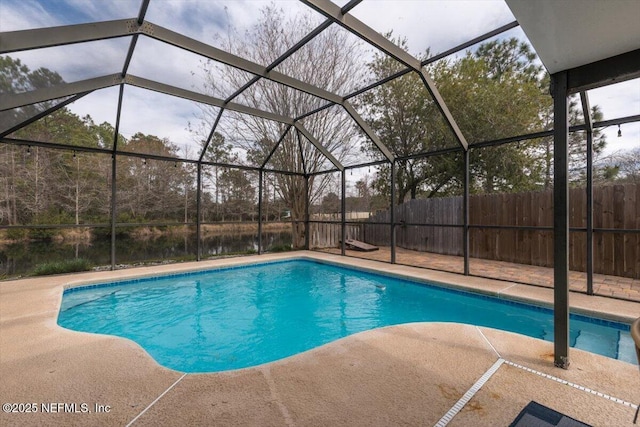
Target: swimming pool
[238,317]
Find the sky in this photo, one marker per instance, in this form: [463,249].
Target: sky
[438,25]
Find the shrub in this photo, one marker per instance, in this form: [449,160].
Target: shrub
[43,234]
[17,233]
[61,267]
[103,233]
[280,248]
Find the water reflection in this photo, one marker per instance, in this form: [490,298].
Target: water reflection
[20,258]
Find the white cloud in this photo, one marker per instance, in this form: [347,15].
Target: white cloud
[157,114]
[101,10]
[200,20]
[79,61]
[619,100]
[436,24]
[101,105]
[22,15]
[28,14]
[156,60]
[629,140]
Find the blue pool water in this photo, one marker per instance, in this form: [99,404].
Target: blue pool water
[239,317]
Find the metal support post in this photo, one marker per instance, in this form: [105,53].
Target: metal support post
[199,214]
[586,112]
[465,213]
[392,212]
[589,212]
[114,205]
[560,220]
[260,196]
[343,206]
[113,212]
[307,230]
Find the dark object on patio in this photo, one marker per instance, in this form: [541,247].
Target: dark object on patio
[635,334]
[537,415]
[360,246]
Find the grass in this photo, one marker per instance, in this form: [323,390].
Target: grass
[233,253]
[61,267]
[243,228]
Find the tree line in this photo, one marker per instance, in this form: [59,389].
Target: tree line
[495,91]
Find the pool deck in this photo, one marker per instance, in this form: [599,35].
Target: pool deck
[411,374]
[605,285]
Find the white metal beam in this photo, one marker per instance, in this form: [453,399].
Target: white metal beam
[12,41]
[586,111]
[368,131]
[318,145]
[444,110]
[204,99]
[16,100]
[362,30]
[274,148]
[8,129]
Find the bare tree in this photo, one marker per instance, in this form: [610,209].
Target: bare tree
[620,167]
[330,62]
[35,198]
[77,190]
[8,168]
[630,165]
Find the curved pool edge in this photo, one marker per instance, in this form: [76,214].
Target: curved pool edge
[374,267]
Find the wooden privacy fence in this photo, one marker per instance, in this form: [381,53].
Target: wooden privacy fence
[329,235]
[614,207]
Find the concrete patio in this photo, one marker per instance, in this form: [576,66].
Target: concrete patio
[412,374]
[605,285]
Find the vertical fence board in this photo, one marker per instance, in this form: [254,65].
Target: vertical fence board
[548,236]
[607,222]
[618,222]
[631,213]
[598,241]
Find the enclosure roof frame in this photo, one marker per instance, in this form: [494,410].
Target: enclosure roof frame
[580,78]
[79,33]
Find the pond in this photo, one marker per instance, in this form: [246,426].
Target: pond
[17,259]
